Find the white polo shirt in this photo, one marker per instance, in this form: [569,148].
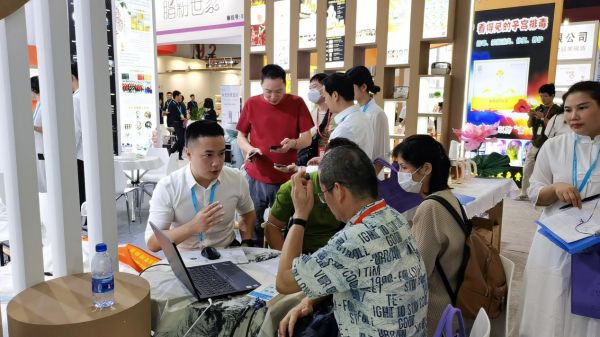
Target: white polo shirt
[381,129]
[171,205]
[355,126]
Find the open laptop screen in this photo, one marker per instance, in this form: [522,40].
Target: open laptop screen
[174,259]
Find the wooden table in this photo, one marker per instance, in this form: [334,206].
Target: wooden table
[63,307]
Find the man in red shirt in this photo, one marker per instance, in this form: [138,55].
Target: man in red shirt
[272,128]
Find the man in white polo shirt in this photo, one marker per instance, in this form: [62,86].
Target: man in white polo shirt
[196,204]
[338,91]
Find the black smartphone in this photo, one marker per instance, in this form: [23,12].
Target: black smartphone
[252,155]
[279,165]
[275,147]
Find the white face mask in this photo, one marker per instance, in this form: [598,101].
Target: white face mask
[407,183]
[314,95]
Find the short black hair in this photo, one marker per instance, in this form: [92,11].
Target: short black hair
[547,89]
[340,83]
[176,93]
[592,88]
[203,128]
[208,103]
[272,71]
[420,149]
[75,71]
[192,95]
[319,77]
[168,92]
[35,84]
[336,164]
[361,75]
[339,141]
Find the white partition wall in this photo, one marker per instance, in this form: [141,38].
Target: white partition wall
[16,128]
[62,222]
[90,29]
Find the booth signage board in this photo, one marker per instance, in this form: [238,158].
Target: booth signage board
[509,62]
[135,73]
[281,35]
[435,20]
[577,41]
[398,40]
[258,18]
[230,103]
[307,24]
[366,21]
[336,34]
[568,74]
[175,17]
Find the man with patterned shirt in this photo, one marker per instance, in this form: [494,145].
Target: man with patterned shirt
[371,267]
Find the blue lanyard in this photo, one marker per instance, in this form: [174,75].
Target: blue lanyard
[364,107]
[36,111]
[178,107]
[586,178]
[211,199]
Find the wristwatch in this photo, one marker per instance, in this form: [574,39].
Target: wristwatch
[297,221]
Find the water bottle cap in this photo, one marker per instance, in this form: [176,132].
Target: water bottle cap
[101,247]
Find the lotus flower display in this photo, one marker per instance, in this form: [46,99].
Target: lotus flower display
[475,135]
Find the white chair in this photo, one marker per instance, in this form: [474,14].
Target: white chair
[481,326]
[83,212]
[500,324]
[122,190]
[153,176]
[171,163]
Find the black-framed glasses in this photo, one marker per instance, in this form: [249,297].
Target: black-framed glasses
[322,193]
[584,227]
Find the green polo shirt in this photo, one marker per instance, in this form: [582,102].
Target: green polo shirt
[321,222]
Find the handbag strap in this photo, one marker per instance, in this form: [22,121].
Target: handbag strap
[445,325]
[384,163]
[467,231]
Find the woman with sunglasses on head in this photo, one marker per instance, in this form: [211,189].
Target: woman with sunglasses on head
[566,171]
[424,169]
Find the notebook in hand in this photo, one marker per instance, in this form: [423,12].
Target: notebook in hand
[209,280]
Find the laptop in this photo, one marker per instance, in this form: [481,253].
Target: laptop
[209,280]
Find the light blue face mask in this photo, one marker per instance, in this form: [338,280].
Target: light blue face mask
[314,95]
[407,183]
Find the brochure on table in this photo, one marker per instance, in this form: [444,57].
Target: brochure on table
[134,41]
[509,62]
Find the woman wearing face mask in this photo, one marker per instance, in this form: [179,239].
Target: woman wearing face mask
[424,169]
[322,118]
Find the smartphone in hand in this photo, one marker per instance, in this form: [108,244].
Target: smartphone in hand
[275,147]
[280,165]
[252,155]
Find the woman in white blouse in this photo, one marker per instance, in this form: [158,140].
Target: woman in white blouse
[554,183]
[38,134]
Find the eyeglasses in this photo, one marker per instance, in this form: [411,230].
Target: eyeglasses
[584,227]
[322,194]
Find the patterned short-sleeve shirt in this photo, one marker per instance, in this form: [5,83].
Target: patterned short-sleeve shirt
[375,273]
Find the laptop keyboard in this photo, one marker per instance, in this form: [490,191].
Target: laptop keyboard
[208,281]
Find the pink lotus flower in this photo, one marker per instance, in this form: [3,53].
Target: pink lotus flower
[475,135]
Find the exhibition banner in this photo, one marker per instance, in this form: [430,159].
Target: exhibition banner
[509,62]
[336,34]
[258,18]
[366,21]
[398,37]
[230,103]
[183,16]
[307,24]
[281,35]
[135,59]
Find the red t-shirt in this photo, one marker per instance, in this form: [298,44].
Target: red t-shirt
[268,125]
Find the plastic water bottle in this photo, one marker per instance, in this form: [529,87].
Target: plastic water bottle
[103,278]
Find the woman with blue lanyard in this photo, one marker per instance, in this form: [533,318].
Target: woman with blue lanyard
[566,171]
[38,134]
[364,88]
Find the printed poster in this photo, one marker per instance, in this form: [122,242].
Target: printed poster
[307,24]
[398,32]
[336,31]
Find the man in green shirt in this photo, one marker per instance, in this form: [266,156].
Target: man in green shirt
[322,223]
